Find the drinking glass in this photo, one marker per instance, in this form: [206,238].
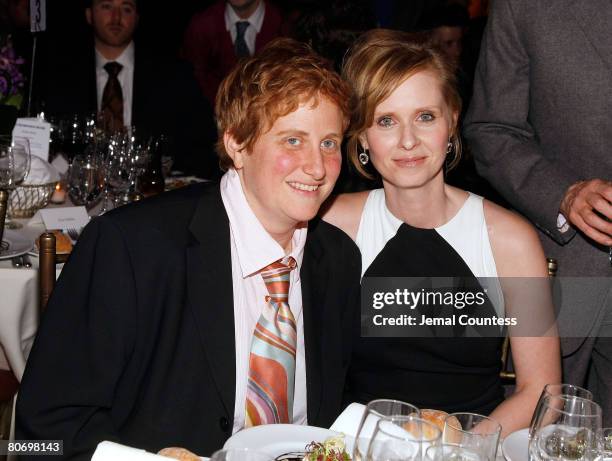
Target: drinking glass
[557,389]
[475,432]
[605,444]
[566,428]
[240,454]
[375,410]
[14,166]
[85,180]
[452,452]
[402,438]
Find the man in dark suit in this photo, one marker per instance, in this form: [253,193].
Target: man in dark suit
[156,94]
[153,335]
[226,31]
[540,127]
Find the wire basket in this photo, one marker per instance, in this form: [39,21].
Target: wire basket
[26,200]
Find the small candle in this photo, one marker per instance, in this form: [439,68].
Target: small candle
[59,194]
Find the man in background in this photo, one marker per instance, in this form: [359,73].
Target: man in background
[540,127]
[219,36]
[129,85]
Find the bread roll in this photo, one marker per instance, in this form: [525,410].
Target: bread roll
[63,245]
[438,417]
[179,453]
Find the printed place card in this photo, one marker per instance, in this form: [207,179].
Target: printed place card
[38,133]
[65,218]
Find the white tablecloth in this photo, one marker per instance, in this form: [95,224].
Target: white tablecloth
[18,308]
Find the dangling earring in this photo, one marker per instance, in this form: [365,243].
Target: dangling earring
[364,158]
[449,147]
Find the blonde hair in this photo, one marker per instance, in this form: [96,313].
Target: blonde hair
[379,62]
[270,85]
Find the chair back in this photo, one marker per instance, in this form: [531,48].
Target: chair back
[46,270]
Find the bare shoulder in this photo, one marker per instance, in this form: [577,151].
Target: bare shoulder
[515,243]
[344,211]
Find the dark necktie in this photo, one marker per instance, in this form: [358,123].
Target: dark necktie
[112,99]
[242,50]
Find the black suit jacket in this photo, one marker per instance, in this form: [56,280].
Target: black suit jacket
[166,100]
[137,344]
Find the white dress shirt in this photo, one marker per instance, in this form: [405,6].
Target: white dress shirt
[252,249]
[125,77]
[255,21]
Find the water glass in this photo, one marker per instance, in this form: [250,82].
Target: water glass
[558,389]
[475,432]
[402,438]
[566,428]
[240,454]
[374,411]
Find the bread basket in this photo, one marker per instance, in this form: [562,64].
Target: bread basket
[26,200]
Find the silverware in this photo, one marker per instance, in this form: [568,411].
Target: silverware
[26,261]
[16,261]
[73,234]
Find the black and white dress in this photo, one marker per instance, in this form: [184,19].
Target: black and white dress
[450,374]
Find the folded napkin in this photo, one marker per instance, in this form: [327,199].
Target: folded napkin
[111,451]
[41,172]
[349,419]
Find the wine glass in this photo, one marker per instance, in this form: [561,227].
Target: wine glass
[14,166]
[373,411]
[475,432]
[402,438]
[558,389]
[85,180]
[566,428]
[240,454]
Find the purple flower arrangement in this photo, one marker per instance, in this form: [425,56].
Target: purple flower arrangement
[12,80]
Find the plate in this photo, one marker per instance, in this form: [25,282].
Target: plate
[14,243]
[516,446]
[278,439]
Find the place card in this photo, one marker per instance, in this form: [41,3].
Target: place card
[38,132]
[75,217]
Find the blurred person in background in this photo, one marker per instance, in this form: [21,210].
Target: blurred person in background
[540,129]
[130,85]
[225,32]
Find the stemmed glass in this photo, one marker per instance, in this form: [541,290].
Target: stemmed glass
[402,438]
[475,432]
[452,452]
[566,428]
[374,411]
[558,389]
[14,166]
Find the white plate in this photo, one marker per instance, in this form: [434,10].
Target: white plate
[18,244]
[278,439]
[516,446]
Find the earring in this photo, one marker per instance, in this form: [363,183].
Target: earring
[364,158]
[449,147]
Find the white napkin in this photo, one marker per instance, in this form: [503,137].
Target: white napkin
[111,451]
[41,172]
[349,419]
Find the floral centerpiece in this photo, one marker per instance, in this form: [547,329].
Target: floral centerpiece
[11,79]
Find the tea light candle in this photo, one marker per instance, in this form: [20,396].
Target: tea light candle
[59,194]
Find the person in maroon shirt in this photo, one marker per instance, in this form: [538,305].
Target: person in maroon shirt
[217,36]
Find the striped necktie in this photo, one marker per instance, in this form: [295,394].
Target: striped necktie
[112,99]
[271,379]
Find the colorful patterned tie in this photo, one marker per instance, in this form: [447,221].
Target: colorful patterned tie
[271,379]
[112,99]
